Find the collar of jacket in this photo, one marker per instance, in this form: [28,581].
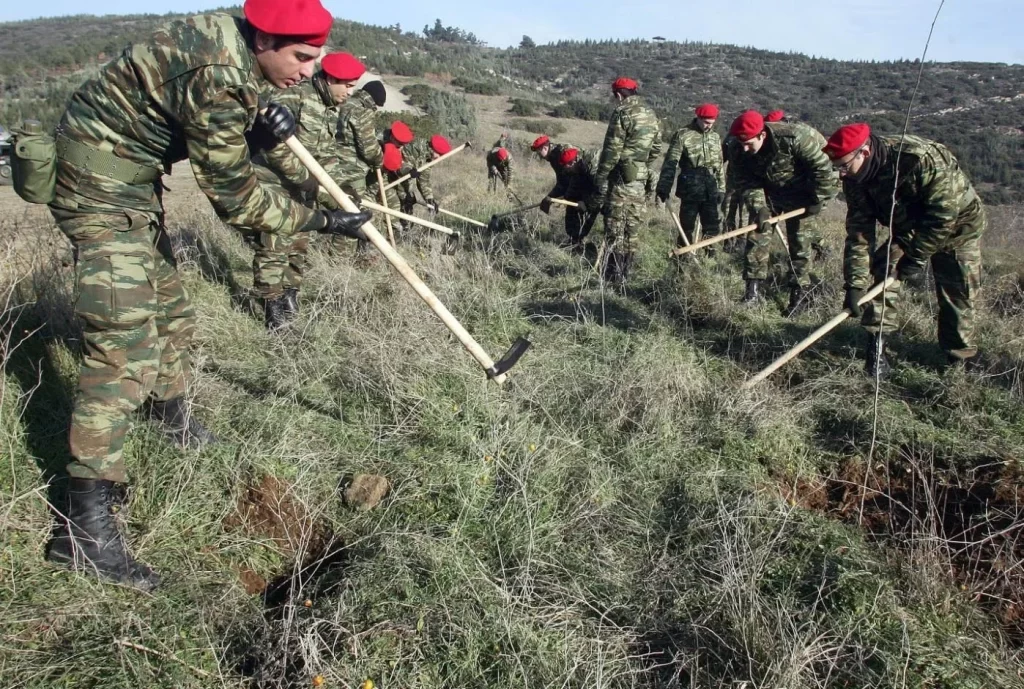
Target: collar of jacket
[320,85]
[249,36]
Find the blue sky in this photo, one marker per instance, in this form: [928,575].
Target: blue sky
[980,30]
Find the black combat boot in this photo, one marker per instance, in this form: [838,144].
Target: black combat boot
[876,365]
[753,293]
[176,421]
[88,540]
[291,299]
[797,302]
[275,313]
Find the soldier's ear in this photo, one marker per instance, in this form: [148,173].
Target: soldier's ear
[263,41]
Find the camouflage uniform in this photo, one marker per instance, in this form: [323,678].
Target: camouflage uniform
[279,260]
[789,172]
[499,169]
[698,155]
[358,153]
[938,218]
[414,156]
[577,183]
[372,190]
[189,91]
[631,144]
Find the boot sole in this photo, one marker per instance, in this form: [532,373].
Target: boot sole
[85,566]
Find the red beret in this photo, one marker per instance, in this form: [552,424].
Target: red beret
[707,111]
[624,83]
[440,144]
[747,126]
[539,141]
[305,21]
[343,66]
[846,140]
[502,154]
[774,116]
[568,155]
[401,133]
[392,158]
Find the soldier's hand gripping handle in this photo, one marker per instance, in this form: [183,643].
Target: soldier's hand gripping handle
[345,223]
[278,121]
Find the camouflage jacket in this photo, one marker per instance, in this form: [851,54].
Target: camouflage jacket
[359,151]
[191,90]
[416,155]
[697,154]
[932,195]
[790,165]
[631,144]
[503,168]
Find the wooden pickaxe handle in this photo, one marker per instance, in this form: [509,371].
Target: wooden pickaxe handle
[817,335]
[461,217]
[408,218]
[564,202]
[734,233]
[396,260]
[429,165]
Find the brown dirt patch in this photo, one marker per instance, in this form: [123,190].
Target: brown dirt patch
[365,491]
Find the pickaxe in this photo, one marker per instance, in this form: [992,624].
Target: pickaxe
[495,370]
[429,165]
[817,334]
[734,233]
[493,225]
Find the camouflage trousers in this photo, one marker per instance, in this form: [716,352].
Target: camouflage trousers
[137,325]
[957,272]
[801,234]
[626,207]
[278,262]
[699,198]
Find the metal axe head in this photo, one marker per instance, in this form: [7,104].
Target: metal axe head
[469,144]
[511,358]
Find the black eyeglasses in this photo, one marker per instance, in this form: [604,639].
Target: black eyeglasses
[845,167]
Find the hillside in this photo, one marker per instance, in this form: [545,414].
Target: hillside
[620,515]
[976,108]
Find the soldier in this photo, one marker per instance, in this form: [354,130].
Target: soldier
[551,152]
[415,156]
[776,116]
[398,134]
[189,90]
[279,260]
[938,218]
[696,150]
[780,168]
[575,181]
[499,166]
[624,178]
[391,166]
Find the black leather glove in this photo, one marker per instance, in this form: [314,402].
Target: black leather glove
[545,204]
[852,302]
[433,206]
[661,196]
[346,224]
[910,272]
[277,121]
[414,173]
[309,190]
[812,210]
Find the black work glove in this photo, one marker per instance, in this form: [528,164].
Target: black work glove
[433,206]
[852,302]
[764,217]
[812,210]
[414,173]
[661,196]
[910,272]
[277,121]
[346,224]
[309,190]
[545,204]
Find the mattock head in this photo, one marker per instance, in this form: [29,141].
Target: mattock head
[510,359]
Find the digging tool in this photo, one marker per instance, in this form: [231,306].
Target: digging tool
[495,370]
[463,218]
[816,335]
[429,165]
[734,233]
[675,218]
[409,218]
[384,202]
[493,224]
